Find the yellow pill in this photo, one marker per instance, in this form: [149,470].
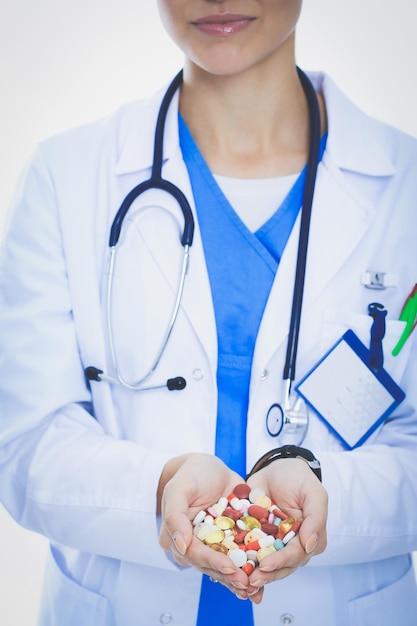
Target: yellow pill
[251,522]
[204,531]
[229,542]
[286,525]
[263,552]
[215,536]
[218,507]
[225,523]
[263,501]
[219,547]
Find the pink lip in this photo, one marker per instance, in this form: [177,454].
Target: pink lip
[222,24]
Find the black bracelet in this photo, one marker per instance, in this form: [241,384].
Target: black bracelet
[287,452]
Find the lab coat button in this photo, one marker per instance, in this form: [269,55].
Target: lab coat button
[198,374]
[165,618]
[286,618]
[264,375]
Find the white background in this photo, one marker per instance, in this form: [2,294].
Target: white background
[65,63]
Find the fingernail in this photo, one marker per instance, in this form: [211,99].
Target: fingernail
[311,543]
[252,593]
[239,585]
[266,568]
[258,584]
[179,543]
[227,570]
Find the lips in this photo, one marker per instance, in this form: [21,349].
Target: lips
[222,25]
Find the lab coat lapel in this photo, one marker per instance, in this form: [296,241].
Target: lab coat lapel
[338,224]
[196,302]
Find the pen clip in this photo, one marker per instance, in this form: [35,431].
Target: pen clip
[409,316]
[376,355]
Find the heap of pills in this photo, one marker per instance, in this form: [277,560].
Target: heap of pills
[246,526]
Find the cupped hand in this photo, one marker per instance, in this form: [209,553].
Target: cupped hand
[189,484]
[297,491]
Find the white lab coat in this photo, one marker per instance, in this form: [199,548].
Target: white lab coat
[81,466]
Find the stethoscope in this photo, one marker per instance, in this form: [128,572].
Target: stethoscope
[291,416]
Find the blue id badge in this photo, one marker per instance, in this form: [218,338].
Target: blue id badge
[347,393]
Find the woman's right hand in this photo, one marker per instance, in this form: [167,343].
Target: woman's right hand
[188,484]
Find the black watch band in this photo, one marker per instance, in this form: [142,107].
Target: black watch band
[287,452]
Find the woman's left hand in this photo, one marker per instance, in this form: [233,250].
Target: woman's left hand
[292,485]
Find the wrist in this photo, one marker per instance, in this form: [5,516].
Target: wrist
[287,452]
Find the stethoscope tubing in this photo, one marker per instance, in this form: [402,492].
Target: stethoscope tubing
[309,186]
[137,385]
[156,181]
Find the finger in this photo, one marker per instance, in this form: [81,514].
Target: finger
[312,533]
[256,595]
[279,564]
[237,583]
[261,578]
[176,532]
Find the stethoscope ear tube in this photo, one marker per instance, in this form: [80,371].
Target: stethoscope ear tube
[164,185]
[156,181]
[313,161]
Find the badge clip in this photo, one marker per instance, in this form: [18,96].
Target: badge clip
[378,280]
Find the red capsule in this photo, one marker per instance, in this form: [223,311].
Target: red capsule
[296,526]
[257,511]
[239,538]
[232,513]
[269,529]
[242,491]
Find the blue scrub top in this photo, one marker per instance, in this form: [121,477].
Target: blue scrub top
[241,267]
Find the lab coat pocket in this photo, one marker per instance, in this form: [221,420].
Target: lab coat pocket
[67,603]
[393,604]
[336,322]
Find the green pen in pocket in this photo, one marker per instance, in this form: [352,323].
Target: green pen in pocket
[409,315]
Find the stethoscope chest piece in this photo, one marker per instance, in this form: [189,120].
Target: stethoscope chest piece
[275,420]
[288,421]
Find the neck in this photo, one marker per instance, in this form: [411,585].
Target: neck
[250,125]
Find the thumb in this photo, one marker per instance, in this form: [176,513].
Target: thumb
[310,543]
[179,542]
[312,533]
[176,530]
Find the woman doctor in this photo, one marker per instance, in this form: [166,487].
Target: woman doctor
[113,475]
